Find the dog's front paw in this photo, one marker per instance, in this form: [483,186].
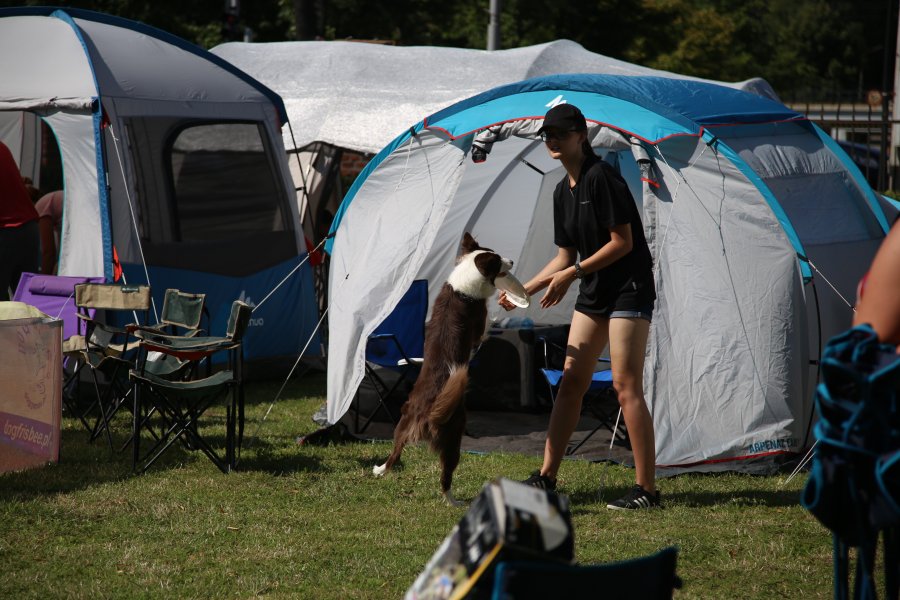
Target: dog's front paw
[378,470]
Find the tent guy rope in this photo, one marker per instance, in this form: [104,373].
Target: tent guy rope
[288,378]
[137,234]
[294,270]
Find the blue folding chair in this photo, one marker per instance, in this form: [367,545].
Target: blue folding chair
[600,400]
[397,344]
[650,577]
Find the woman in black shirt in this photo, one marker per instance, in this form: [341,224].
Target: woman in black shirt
[596,220]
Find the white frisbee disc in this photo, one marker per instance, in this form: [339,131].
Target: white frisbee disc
[514,289]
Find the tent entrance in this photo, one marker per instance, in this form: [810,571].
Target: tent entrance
[194,218]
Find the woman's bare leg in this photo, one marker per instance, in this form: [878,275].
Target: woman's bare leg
[627,347]
[588,336]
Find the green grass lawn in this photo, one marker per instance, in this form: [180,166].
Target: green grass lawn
[312,522]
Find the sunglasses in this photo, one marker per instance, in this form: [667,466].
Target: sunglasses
[556,135]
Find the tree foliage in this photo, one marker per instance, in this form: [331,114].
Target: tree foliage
[803,47]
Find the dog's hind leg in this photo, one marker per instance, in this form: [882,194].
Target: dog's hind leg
[400,436]
[449,461]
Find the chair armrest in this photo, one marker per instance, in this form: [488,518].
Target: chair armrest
[412,361]
[188,348]
[393,338]
[132,328]
[104,326]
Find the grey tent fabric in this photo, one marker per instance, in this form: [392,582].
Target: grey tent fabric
[749,279]
[360,96]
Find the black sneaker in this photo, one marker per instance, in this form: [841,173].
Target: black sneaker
[542,482]
[636,498]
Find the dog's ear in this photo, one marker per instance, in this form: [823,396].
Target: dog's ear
[488,264]
[469,244]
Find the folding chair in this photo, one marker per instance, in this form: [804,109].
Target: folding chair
[650,577]
[108,352]
[54,295]
[180,404]
[600,399]
[397,344]
[182,314]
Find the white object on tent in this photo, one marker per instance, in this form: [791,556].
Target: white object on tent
[739,195]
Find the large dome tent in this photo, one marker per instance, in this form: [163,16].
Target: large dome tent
[748,208]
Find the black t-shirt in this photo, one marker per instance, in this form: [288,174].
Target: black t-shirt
[582,218]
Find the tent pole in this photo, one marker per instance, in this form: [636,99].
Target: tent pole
[493,32]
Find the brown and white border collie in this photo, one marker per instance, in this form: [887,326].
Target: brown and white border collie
[435,411]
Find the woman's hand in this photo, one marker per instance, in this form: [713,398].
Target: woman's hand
[557,288]
[504,302]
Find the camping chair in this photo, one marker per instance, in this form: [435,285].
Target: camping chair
[650,577]
[54,295]
[180,404]
[600,399]
[397,344]
[181,315]
[106,351]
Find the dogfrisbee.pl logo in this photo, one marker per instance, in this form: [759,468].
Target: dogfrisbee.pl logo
[25,433]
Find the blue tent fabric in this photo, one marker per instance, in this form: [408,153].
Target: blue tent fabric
[689,103]
[650,108]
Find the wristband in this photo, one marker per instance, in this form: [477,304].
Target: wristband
[579,272]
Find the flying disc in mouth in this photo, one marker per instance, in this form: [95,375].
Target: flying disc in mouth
[515,291]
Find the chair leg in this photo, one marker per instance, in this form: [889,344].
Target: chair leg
[182,427]
[109,403]
[101,423]
[136,428]
[71,396]
[615,427]
[384,393]
[573,449]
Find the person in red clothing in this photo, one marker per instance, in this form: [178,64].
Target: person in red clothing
[19,234]
[50,211]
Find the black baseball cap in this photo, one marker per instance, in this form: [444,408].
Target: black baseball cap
[565,117]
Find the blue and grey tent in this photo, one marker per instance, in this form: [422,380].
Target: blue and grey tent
[748,208]
[170,155]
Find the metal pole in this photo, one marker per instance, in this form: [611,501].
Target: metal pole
[885,100]
[493,32]
[895,113]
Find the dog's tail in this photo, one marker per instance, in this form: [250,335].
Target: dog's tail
[450,396]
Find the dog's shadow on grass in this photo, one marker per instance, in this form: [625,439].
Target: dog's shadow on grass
[278,457]
[280,466]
